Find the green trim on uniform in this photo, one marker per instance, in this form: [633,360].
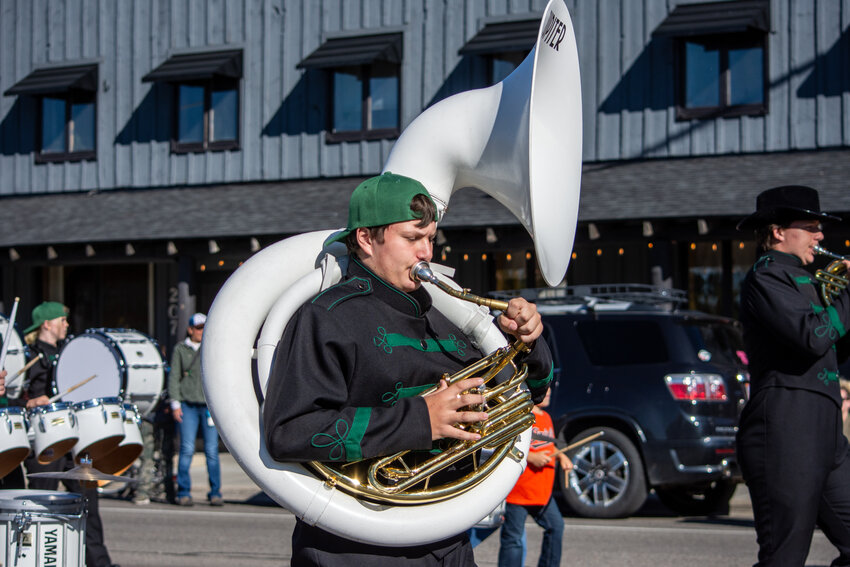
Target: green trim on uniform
[804,280]
[363,291]
[827,376]
[542,381]
[835,320]
[762,262]
[393,396]
[815,307]
[353,451]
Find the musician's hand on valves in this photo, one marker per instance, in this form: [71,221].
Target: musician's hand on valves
[443,406]
[521,320]
[39,401]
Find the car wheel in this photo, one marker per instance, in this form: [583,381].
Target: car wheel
[607,480]
[705,500]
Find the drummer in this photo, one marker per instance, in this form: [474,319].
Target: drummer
[46,334]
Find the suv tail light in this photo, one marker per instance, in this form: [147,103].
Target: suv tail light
[694,387]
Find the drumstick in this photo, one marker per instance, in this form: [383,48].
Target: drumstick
[71,389]
[9,330]
[24,369]
[578,443]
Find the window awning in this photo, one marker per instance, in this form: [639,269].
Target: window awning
[501,37]
[716,18]
[198,66]
[357,50]
[57,80]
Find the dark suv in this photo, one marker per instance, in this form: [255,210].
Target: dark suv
[666,386]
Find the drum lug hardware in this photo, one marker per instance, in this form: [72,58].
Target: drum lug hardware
[516,454]
[22,523]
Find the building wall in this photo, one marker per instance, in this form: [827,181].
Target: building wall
[627,82]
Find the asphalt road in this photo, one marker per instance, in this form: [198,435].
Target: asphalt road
[250,531]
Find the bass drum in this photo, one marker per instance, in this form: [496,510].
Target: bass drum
[16,356]
[127,364]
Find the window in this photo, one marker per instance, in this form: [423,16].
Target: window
[615,343]
[67,130]
[721,57]
[205,87]
[371,115]
[722,77]
[207,116]
[66,111]
[504,44]
[364,74]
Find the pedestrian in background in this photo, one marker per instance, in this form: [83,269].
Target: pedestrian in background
[189,409]
[532,496]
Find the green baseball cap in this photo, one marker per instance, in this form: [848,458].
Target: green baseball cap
[381,200]
[46,311]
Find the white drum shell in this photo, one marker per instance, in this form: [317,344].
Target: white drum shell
[54,431]
[127,364]
[14,442]
[15,357]
[54,528]
[101,427]
[119,459]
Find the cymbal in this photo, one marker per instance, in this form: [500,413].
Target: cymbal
[84,473]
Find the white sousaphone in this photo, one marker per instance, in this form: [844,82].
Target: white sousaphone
[519,141]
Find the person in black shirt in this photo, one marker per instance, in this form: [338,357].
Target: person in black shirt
[791,449]
[50,325]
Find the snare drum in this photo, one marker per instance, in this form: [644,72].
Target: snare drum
[101,427]
[42,527]
[121,458]
[127,363]
[54,429]
[14,443]
[15,357]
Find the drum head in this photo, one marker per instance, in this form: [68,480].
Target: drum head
[15,356]
[86,355]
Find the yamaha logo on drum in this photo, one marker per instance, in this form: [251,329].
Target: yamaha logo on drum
[554,32]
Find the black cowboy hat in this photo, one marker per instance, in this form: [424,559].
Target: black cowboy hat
[784,204]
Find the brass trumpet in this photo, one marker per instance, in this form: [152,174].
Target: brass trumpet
[833,279]
[406,477]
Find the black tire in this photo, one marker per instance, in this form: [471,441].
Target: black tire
[705,500]
[608,479]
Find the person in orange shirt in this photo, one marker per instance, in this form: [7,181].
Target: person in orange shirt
[532,495]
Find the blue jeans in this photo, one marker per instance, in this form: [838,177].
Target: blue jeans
[512,535]
[194,416]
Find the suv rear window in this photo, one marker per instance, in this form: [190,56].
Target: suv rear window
[719,343]
[614,343]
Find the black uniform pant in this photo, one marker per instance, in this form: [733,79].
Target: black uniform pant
[96,553]
[796,463]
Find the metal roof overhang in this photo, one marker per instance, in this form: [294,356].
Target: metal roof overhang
[716,18]
[715,186]
[502,37]
[355,50]
[57,80]
[198,66]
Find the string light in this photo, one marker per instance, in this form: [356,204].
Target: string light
[574,256]
[847,243]
[508,257]
[528,255]
[203,267]
[466,257]
[693,245]
[650,245]
[621,251]
[740,245]
[443,256]
[599,251]
[221,262]
[484,257]
[714,247]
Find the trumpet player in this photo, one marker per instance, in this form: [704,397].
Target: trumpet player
[348,370]
[791,449]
